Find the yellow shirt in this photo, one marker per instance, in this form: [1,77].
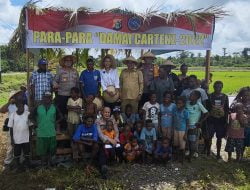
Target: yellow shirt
[74,117]
[131,84]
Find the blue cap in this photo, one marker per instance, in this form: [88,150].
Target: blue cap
[42,62]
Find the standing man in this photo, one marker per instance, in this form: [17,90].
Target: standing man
[66,78]
[131,85]
[41,81]
[90,79]
[147,69]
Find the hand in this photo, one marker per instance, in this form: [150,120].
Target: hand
[113,142]
[139,97]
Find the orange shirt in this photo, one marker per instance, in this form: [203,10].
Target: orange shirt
[110,134]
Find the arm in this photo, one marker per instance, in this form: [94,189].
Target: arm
[117,81]
[4,108]
[121,82]
[10,125]
[141,83]
[172,87]
[103,84]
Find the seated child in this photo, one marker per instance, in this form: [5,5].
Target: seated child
[235,132]
[132,150]
[90,107]
[112,149]
[195,109]
[137,131]
[180,123]
[74,106]
[118,118]
[167,109]
[19,132]
[148,136]
[151,110]
[85,139]
[125,135]
[163,151]
[128,116]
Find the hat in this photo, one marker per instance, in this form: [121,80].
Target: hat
[148,55]
[90,59]
[116,109]
[168,63]
[130,58]
[67,56]
[42,62]
[47,94]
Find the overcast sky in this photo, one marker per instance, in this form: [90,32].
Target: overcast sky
[231,32]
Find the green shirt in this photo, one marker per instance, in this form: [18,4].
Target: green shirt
[46,121]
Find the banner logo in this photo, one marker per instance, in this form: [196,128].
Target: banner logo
[134,23]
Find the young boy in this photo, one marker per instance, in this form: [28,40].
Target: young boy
[180,123]
[197,114]
[85,139]
[19,132]
[128,116]
[117,117]
[126,134]
[218,107]
[46,119]
[148,136]
[163,152]
[184,70]
[167,109]
[151,110]
[132,150]
[90,107]
[235,132]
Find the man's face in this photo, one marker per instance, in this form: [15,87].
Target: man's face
[89,122]
[168,68]
[42,67]
[149,60]
[162,72]
[130,65]
[90,65]
[47,100]
[184,69]
[218,87]
[192,82]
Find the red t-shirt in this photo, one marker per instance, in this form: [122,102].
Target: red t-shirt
[125,138]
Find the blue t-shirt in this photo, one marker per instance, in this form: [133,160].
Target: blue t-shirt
[195,112]
[90,81]
[163,150]
[86,132]
[130,119]
[149,137]
[180,119]
[167,114]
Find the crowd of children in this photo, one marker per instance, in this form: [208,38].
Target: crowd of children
[156,133]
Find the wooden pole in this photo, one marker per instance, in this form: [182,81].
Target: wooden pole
[28,75]
[207,71]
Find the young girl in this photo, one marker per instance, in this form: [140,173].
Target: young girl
[126,134]
[166,114]
[151,110]
[19,132]
[180,123]
[74,106]
[235,132]
[132,150]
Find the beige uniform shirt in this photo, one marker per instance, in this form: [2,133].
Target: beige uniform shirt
[131,84]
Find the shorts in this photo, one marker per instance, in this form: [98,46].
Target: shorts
[19,148]
[217,126]
[45,146]
[233,144]
[192,135]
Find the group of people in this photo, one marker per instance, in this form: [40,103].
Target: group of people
[145,114]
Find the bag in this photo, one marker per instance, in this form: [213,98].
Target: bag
[5,125]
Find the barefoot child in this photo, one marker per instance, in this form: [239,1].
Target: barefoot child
[125,135]
[19,132]
[235,132]
[90,107]
[163,152]
[166,115]
[132,150]
[74,106]
[180,123]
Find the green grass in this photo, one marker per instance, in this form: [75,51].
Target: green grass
[233,81]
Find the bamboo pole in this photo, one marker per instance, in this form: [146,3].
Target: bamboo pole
[207,70]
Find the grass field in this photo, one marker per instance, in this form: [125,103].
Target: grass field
[233,81]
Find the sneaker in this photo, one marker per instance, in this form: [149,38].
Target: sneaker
[196,155]
[187,152]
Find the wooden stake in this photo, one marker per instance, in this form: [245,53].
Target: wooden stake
[207,71]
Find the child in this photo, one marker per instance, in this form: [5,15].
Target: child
[138,129]
[132,150]
[148,136]
[85,139]
[151,110]
[184,70]
[46,118]
[125,135]
[118,118]
[19,132]
[90,107]
[180,123]
[235,132]
[166,114]
[163,151]
[74,106]
[111,149]
[218,107]
[195,109]
[128,116]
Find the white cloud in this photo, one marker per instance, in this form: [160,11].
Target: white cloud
[231,32]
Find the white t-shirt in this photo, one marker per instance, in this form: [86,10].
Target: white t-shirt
[188,91]
[20,125]
[152,111]
[12,108]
